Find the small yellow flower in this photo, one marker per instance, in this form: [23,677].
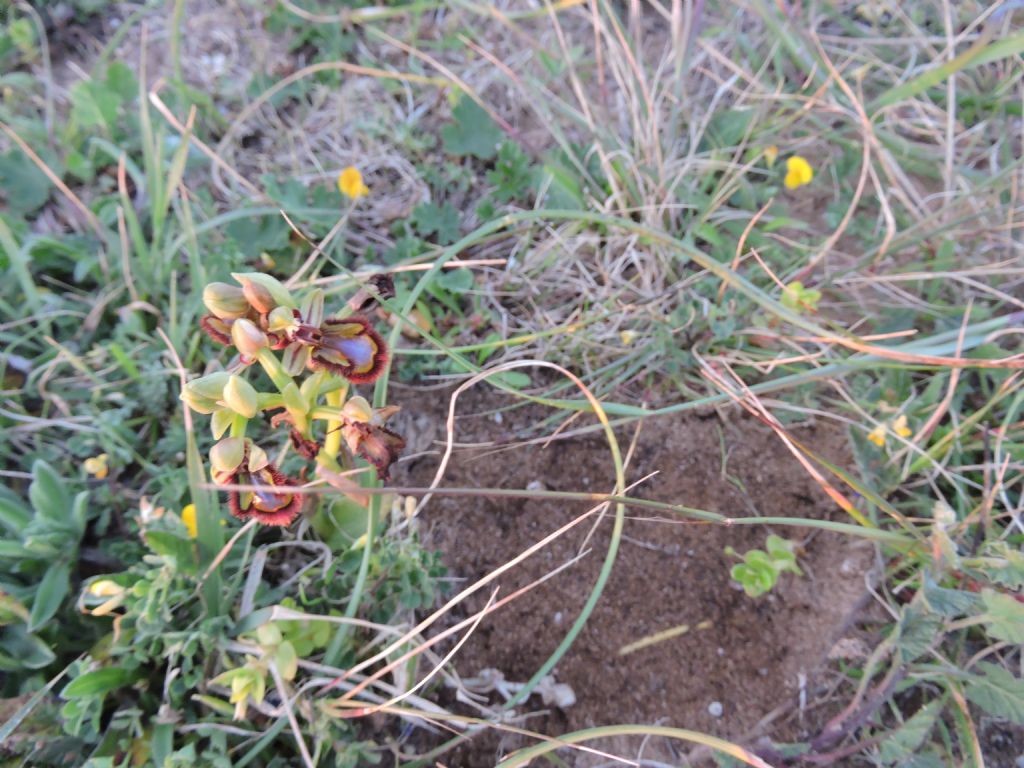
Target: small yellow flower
[771,154]
[97,466]
[877,435]
[798,172]
[900,426]
[105,588]
[350,183]
[627,337]
[188,517]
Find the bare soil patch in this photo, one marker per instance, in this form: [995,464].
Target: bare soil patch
[749,656]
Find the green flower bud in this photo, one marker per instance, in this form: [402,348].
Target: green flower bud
[280,319]
[258,296]
[225,301]
[227,456]
[248,338]
[266,287]
[203,395]
[240,397]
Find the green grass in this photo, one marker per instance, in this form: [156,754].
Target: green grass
[613,175]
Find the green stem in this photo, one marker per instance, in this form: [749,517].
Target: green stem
[274,369]
[332,440]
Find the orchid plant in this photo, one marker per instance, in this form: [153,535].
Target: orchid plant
[311,358]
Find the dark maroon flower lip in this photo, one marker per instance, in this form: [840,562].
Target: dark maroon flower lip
[329,349]
[217,329]
[267,505]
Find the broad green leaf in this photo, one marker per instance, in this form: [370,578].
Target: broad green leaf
[20,650]
[472,133]
[49,495]
[121,82]
[1003,564]
[455,280]
[50,593]
[287,660]
[440,220]
[1004,616]
[906,740]
[14,515]
[727,128]
[169,544]
[23,186]
[998,692]
[98,682]
[918,631]
[12,550]
[949,602]
[11,610]
[93,104]
[514,379]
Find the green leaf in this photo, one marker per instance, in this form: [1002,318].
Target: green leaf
[169,544]
[23,186]
[14,515]
[98,682]
[11,610]
[728,128]
[472,133]
[919,630]
[1004,616]
[906,740]
[949,602]
[48,494]
[455,280]
[514,379]
[11,550]
[429,219]
[93,105]
[512,172]
[20,650]
[287,660]
[50,593]
[121,82]
[1003,564]
[998,692]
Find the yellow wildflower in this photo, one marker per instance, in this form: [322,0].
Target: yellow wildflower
[798,172]
[350,183]
[114,593]
[105,588]
[877,435]
[188,517]
[771,154]
[898,427]
[627,337]
[97,466]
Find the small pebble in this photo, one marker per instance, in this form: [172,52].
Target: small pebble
[715,709]
[558,617]
[498,418]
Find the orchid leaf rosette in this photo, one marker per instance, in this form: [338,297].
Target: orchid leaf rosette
[312,358]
